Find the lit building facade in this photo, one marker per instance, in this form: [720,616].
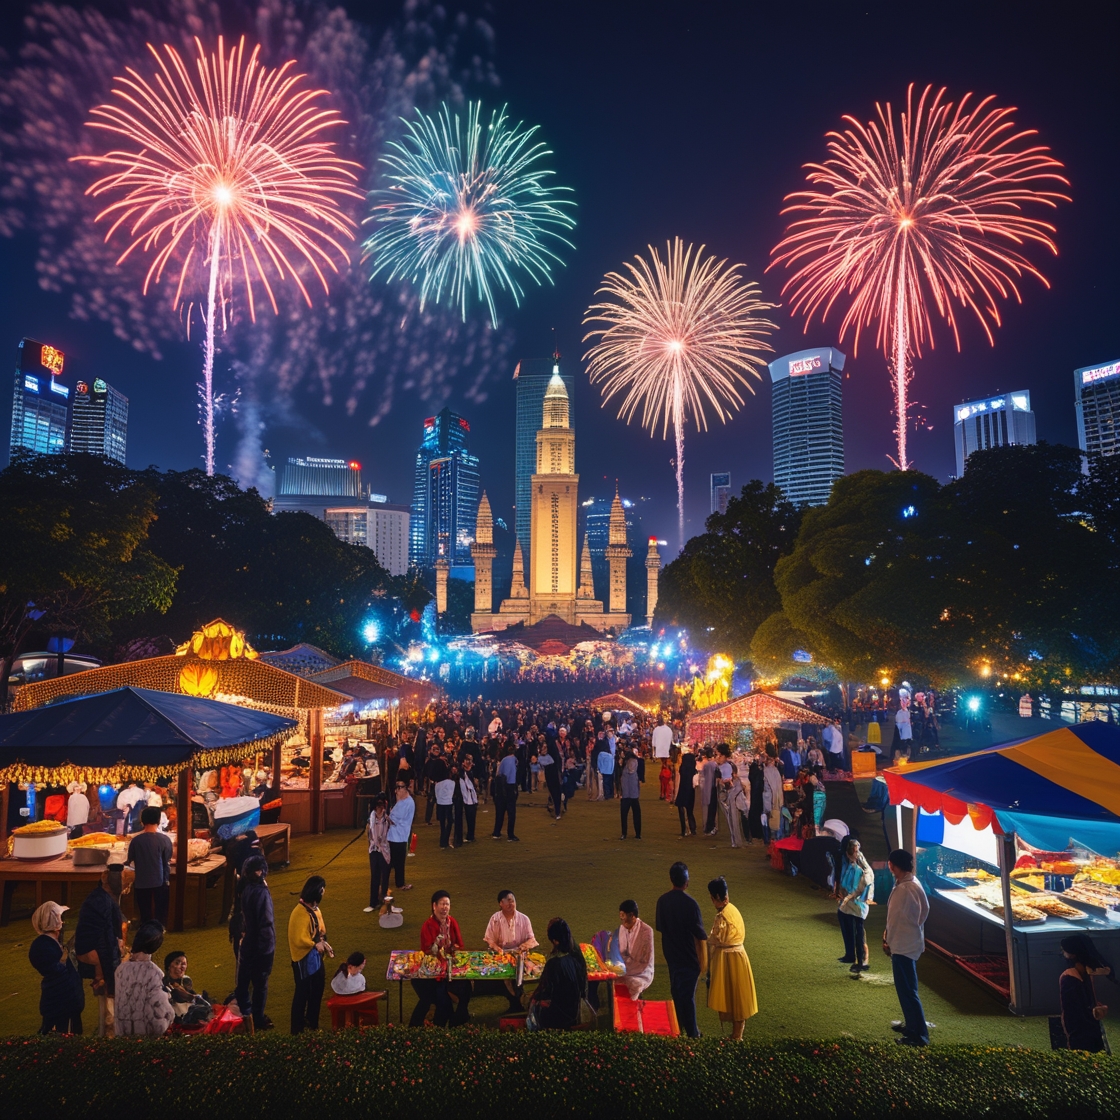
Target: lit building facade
[808,423]
[40,401]
[1097,400]
[332,490]
[721,491]
[1001,421]
[532,377]
[334,478]
[445,493]
[99,420]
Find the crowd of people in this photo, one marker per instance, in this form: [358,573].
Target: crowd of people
[443,768]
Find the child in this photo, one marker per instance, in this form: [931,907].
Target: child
[348,980]
[666,781]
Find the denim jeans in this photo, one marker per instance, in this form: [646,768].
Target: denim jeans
[905,971]
[682,987]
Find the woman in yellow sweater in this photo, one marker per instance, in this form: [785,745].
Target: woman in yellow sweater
[307,940]
[731,984]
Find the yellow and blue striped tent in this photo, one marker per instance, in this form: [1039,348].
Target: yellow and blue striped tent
[1052,788]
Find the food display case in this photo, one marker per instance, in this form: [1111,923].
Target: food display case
[1051,896]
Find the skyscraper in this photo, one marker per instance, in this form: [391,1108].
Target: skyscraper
[721,491]
[1097,399]
[532,376]
[332,490]
[445,493]
[99,420]
[808,424]
[994,422]
[41,400]
[328,478]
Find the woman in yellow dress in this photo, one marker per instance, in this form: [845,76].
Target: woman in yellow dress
[731,982]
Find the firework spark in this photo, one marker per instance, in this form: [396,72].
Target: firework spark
[677,338]
[468,208]
[918,214]
[229,178]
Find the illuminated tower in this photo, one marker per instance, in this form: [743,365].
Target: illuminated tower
[586,575]
[653,568]
[41,402]
[552,552]
[483,553]
[618,552]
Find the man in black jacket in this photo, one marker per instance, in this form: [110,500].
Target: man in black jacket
[98,941]
[258,941]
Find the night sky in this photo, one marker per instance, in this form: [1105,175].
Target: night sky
[693,120]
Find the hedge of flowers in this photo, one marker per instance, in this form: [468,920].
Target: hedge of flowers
[472,1073]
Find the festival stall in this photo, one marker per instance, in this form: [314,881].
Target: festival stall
[1031,830]
[218,663]
[109,739]
[741,718]
[619,702]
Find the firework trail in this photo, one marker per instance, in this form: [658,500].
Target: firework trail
[231,165]
[678,337]
[361,349]
[914,214]
[467,208]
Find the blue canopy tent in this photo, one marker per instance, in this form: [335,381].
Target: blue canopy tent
[1054,790]
[132,734]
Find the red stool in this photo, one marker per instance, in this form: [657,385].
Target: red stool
[358,1010]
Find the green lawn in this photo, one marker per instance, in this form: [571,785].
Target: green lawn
[579,869]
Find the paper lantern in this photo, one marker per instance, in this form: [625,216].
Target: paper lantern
[198,679]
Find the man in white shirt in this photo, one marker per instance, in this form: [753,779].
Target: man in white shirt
[510,931]
[635,946]
[662,739]
[466,801]
[904,942]
[905,732]
[834,745]
[495,727]
[77,809]
[444,790]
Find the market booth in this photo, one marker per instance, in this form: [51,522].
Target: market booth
[1030,829]
[218,663]
[620,702]
[729,721]
[129,734]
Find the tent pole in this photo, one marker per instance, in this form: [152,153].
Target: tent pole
[1006,863]
[182,853]
[315,736]
[4,787]
[914,832]
[898,822]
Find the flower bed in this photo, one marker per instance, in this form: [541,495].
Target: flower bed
[470,1073]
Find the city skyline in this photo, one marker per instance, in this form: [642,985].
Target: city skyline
[760,158]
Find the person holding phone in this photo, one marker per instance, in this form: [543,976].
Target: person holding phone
[307,941]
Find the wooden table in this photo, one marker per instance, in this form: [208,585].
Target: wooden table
[276,840]
[53,879]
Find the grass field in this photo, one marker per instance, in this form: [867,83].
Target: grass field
[579,869]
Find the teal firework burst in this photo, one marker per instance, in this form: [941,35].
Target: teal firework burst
[467,208]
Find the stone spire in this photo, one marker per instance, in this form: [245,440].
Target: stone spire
[483,553]
[518,590]
[618,552]
[586,577]
[653,569]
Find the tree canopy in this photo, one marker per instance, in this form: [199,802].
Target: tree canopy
[721,587]
[77,558]
[1010,570]
[113,556]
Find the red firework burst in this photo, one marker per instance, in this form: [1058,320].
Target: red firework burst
[916,214]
